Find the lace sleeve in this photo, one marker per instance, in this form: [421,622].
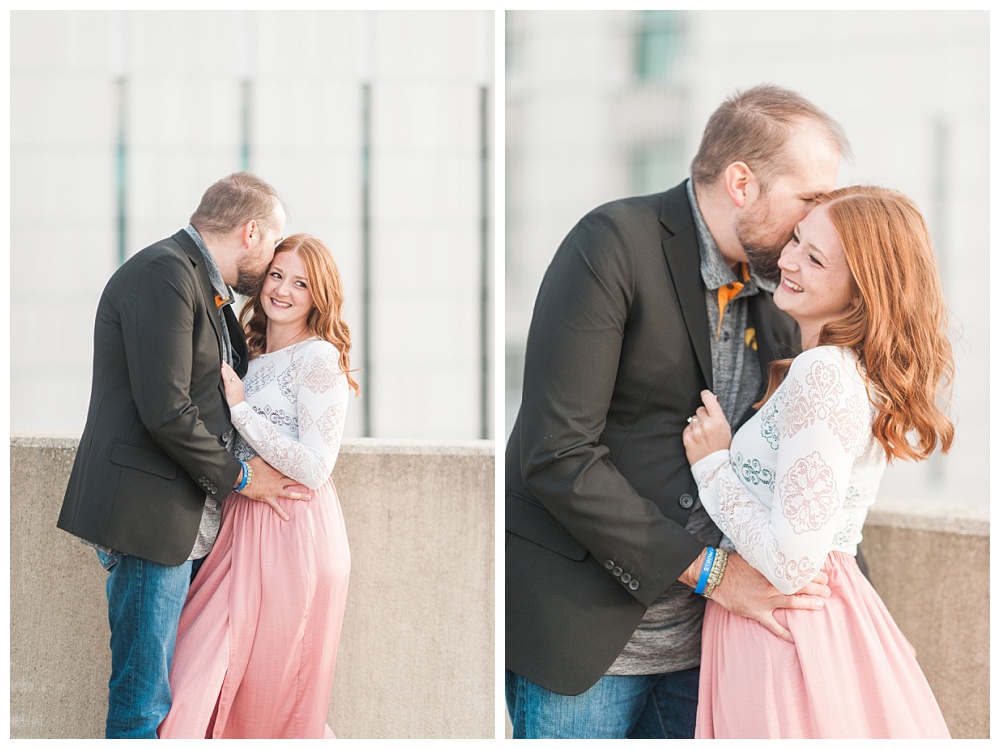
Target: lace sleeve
[814,428]
[321,393]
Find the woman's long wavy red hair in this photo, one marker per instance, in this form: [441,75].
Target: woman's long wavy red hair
[898,330]
[327,292]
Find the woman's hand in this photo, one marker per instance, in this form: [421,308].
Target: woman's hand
[233,384]
[707,431]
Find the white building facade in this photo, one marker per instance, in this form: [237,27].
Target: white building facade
[605,104]
[375,127]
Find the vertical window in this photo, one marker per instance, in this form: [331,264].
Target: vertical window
[246,134]
[485,372]
[121,169]
[659,41]
[510,45]
[366,258]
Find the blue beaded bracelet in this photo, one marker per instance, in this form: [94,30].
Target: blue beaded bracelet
[706,568]
[243,482]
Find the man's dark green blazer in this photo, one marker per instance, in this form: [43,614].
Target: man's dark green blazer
[598,488]
[154,444]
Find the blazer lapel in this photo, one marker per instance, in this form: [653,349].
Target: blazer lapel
[241,357]
[680,249]
[188,245]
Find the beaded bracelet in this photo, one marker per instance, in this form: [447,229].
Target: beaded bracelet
[715,576]
[706,568]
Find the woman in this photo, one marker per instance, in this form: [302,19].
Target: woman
[792,490]
[257,640]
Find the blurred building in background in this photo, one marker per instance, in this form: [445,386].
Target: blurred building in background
[375,127]
[604,104]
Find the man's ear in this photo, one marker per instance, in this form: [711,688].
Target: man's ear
[739,181]
[250,231]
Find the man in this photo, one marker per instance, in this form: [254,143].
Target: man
[153,462]
[647,302]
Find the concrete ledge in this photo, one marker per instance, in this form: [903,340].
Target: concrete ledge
[416,654]
[945,517]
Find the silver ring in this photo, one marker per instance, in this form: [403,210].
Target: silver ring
[692,418]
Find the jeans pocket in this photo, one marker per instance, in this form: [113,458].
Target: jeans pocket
[108,559]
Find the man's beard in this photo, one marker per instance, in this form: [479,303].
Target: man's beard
[249,281]
[761,244]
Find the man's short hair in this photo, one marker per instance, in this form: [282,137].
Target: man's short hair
[233,201]
[754,126]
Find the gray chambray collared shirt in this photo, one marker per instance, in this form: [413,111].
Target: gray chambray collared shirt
[668,638]
[735,365]
[208,530]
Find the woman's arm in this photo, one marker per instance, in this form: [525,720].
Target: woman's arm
[814,427]
[321,405]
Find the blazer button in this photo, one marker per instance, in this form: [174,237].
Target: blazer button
[609,565]
[686,501]
[634,585]
[626,577]
[617,572]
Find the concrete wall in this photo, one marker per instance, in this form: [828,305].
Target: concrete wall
[930,563]
[417,648]
[416,654]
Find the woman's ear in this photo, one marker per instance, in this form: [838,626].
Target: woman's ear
[855,298]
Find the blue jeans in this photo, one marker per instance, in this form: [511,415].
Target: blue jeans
[144,605]
[656,706]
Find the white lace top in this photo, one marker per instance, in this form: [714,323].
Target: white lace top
[800,475]
[293,415]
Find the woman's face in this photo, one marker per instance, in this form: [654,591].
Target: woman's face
[816,285]
[285,296]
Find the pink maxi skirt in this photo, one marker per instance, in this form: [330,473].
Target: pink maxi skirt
[257,640]
[850,674]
